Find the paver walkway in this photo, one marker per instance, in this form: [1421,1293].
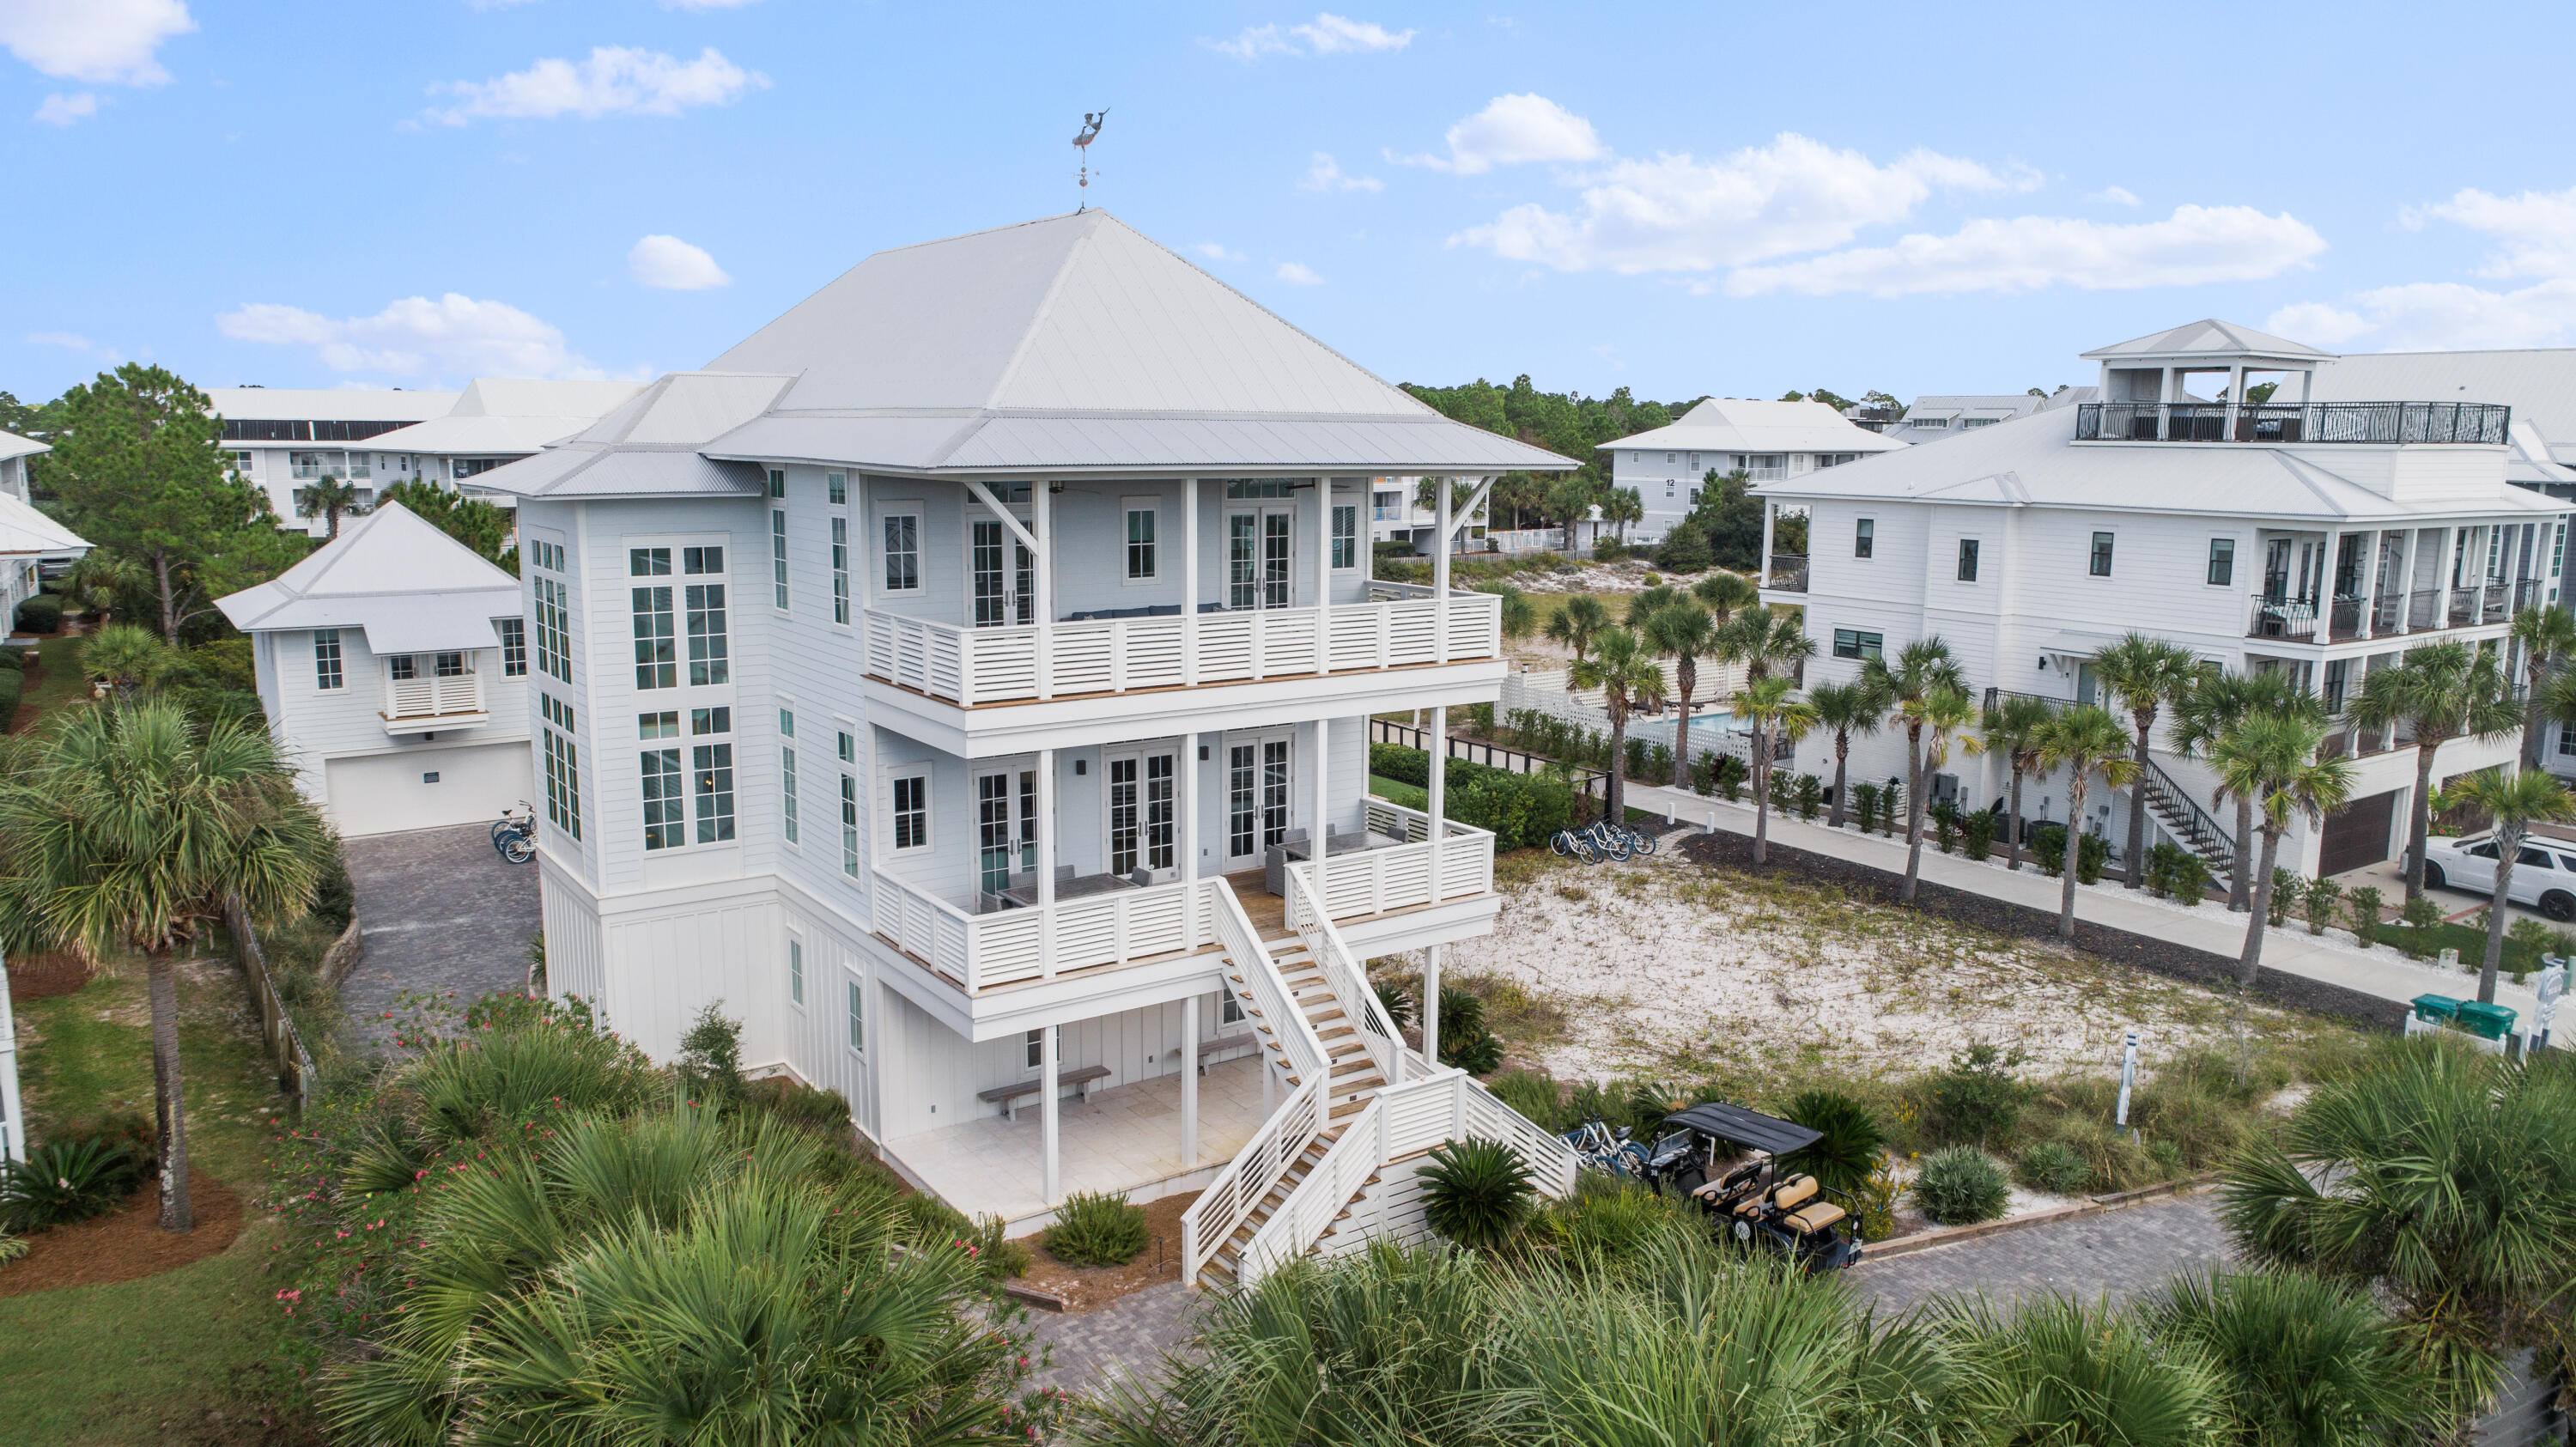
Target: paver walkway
[2384,973]
[1130,1334]
[2119,1252]
[442,911]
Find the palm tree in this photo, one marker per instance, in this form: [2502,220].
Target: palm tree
[1847,709]
[1520,616]
[1727,594]
[121,828]
[2147,673]
[1771,710]
[2271,759]
[2547,637]
[1621,506]
[2215,705]
[1939,716]
[1683,631]
[126,657]
[1647,604]
[2440,692]
[1922,669]
[100,581]
[2011,728]
[2515,802]
[1625,675]
[1575,626]
[327,498]
[2084,739]
[1762,641]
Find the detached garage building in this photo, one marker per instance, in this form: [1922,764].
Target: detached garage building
[392,665]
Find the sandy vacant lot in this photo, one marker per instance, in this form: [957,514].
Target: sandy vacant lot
[1660,966]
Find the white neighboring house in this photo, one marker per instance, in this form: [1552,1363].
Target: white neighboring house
[1769,441]
[2321,537]
[29,540]
[283,438]
[1936,419]
[943,682]
[389,663]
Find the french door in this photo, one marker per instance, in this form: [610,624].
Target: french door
[1006,827]
[1144,815]
[1257,784]
[1259,543]
[1005,575]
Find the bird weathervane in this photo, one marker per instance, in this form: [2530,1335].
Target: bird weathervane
[1091,124]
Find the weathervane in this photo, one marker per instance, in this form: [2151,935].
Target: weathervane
[1091,125]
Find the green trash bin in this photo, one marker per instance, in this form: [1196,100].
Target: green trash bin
[2437,1009]
[2487,1022]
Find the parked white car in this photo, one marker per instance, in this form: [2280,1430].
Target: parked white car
[2544,873]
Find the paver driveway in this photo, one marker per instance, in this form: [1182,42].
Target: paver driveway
[442,912]
[2120,1252]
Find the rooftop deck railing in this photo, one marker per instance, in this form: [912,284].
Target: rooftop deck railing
[2310,422]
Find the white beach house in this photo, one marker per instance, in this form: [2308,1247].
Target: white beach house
[391,664]
[953,680]
[1768,441]
[2324,537]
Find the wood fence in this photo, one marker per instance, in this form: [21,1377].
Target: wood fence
[276,1027]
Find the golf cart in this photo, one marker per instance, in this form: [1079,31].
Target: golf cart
[1736,1180]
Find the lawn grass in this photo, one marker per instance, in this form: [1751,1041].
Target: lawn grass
[146,1361]
[62,683]
[1396,791]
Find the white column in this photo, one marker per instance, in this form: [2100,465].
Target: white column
[1042,520]
[1046,860]
[1051,1111]
[1322,795]
[1190,584]
[1770,514]
[1323,574]
[1439,790]
[1440,576]
[1190,1081]
[1431,1006]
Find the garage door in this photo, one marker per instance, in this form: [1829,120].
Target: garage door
[2357,834]
[426,788]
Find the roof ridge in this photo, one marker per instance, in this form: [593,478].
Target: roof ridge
[1038,315]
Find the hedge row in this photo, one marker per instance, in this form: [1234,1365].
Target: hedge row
[41,614]
[1522,810]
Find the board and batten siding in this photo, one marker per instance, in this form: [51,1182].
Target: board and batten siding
[931,1075]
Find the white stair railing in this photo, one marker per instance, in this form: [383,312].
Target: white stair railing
[1289,1044]
[1349,983]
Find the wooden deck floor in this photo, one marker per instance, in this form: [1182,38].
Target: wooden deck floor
[1268,912]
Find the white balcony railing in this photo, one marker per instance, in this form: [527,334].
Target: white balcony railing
[428,700]
[1062,660]
[981,951]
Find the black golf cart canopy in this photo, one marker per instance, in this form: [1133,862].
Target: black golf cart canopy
[1746,1128]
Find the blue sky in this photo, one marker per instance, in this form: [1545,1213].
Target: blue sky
[1684,200]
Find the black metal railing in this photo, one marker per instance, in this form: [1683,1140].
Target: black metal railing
[1995,696]
[2183,816]
[1789,572]
[2477,422]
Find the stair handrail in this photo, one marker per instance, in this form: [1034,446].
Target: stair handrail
[2200,829]
[1349,983]
[1239,1188]
[1317,1201]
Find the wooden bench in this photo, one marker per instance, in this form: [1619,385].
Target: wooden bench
[1222,1043]
[1008,1096]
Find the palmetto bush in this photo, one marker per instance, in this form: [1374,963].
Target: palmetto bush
[2056,1369]
[64,1181]
[1476,1192]
[1850,1146]
[2303,1360]
[500,1078]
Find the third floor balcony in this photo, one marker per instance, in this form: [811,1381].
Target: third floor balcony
[2305,423]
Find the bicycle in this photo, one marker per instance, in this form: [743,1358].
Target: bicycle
[514,834]
[1600,1150]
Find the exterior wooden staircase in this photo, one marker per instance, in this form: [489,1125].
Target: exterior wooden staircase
[1355,1077]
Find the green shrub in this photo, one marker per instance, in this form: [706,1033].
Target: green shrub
[1981,835]
[2287,890]
[13,658]
[41,614]
[1474,1050]
[1810,796]
[1864,805]
[1533,1094]
[1851,1144]
[1522,810]
[387,1153]
[1960,1186]
[1397,1002]
[2300,1357]
[1874,1203]
[710,1059]
[2053,1167]
[1732,775]
[63,1181]
[929,1221]
[1608,1220]
[2422,918]
[1976,1099]
[2168,1158]
[1475,1192]
[2048,848]
[1096,1229]
[2090,856]
[2361,906]
[2322,893]
[801,1105]
[517,1073]
[11,1247]
[1945,827]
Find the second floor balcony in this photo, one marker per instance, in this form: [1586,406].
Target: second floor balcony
[429,692]
[2311,422]
[2352,617]
[1788,573]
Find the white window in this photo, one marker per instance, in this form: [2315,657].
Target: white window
[514,647]
[1142,539]
[795,970]
[777,482]
[911,812]
[711,784]
[787,774]
[665,825]
[1033,1046]
[554,632]
[563,766]
[902,552]
[326,658]
[850,826]
[840,568]
[710,649]
[855,995]
[1346,535]
[778,558]
[836,488]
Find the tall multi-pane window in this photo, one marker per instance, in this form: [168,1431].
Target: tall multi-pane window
[554,635]
[1346,535]
[712,784]
[514,647]
[840,568]
[326,658]
[902,552]
[796,971]
[710,659]
[563,766]
[656,648]
[850,826]
[1141,519]
[912,812]
[855,1003]
[665,827]
[778,559]
[787,774]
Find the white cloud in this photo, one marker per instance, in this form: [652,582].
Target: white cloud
[666,263]
[75,342]
[1298,273]
[2537,229]
[1326,34]
[1326,175]
[1512,130]
[2196,245]
[1678,213]
[416,337]
[2116,196]
[103,42]
[63,110]
[614,81]
[2440,316]
[1215,251]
